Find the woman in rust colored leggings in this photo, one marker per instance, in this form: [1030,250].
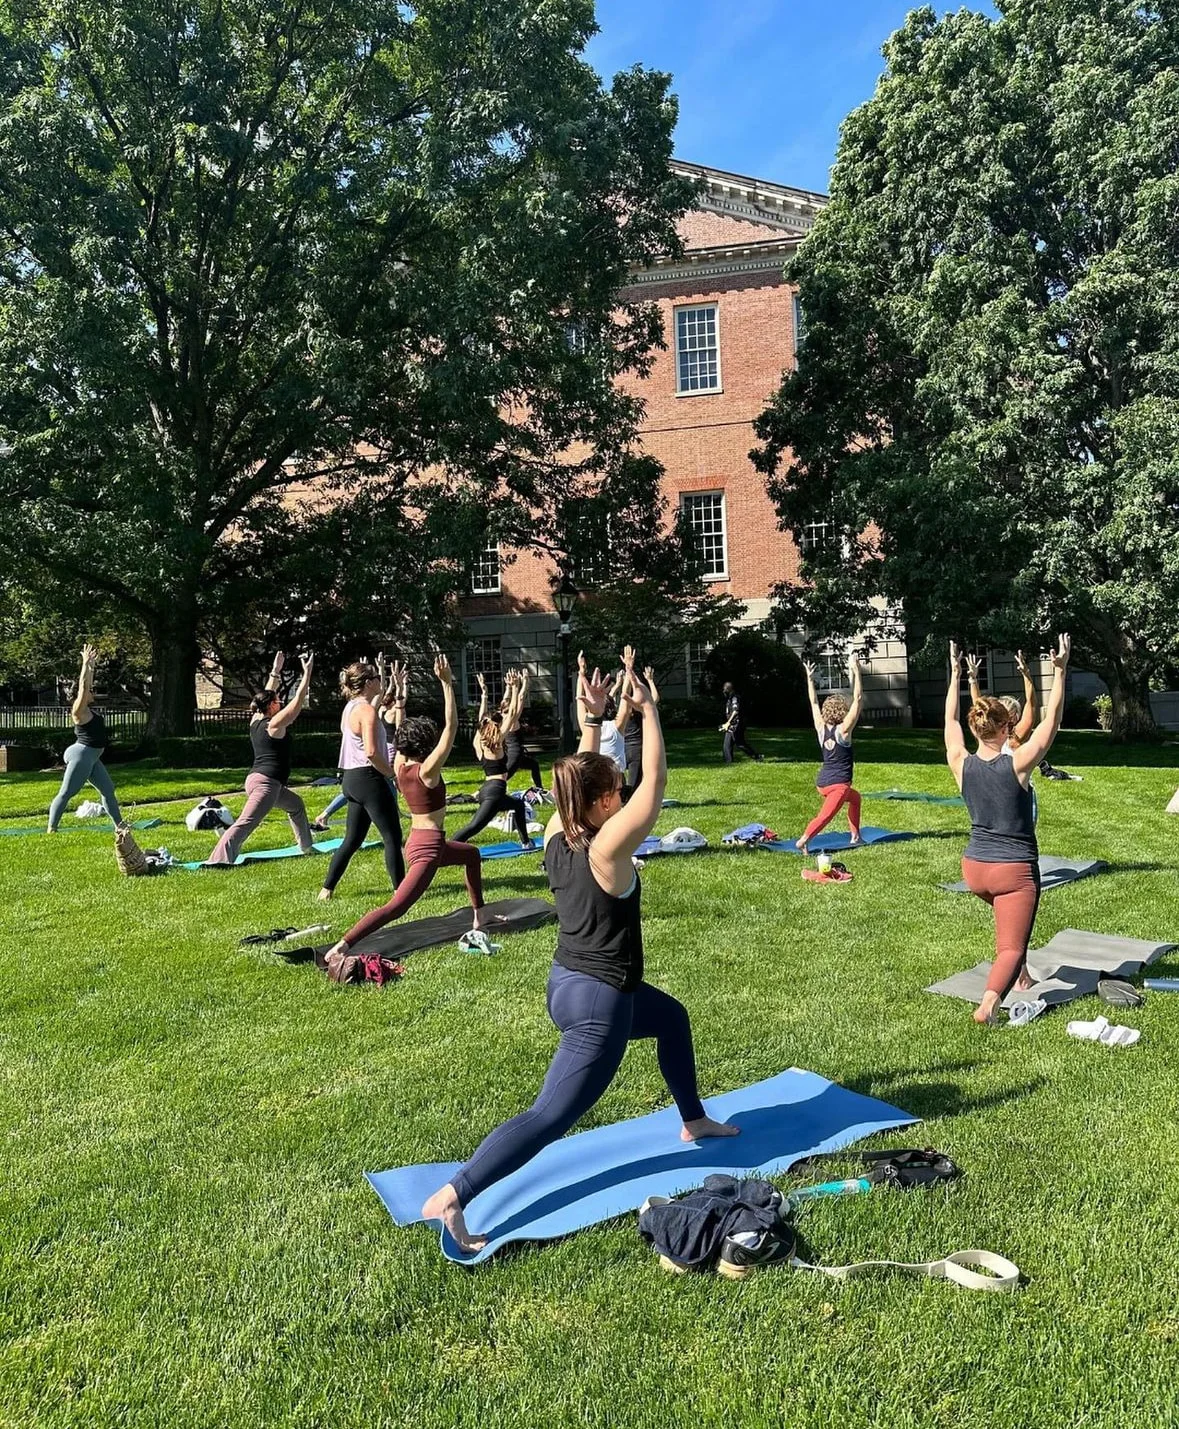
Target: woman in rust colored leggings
[833,725]
[421,754]
[1001,864]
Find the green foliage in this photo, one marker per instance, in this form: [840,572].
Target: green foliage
[987,405]
[766,673]
[283,303]
[1103,710]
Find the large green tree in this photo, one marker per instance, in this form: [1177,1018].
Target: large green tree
[310,253]
[986,407]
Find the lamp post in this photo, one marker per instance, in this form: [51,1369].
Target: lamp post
[564,599]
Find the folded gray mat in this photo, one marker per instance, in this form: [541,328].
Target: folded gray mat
[1053,873]
[1068,966]
[509,915]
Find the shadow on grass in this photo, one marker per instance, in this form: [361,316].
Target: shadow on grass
[928,1098]
[1140,868]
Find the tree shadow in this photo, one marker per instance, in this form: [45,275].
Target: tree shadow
[1139,868]
[937,1098]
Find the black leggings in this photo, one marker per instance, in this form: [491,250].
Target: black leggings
[370,801]
[634,765]
[495,799]
[519,758]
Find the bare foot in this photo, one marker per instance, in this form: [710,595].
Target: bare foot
[800,846]
[985,1011]
[1023,982]
[324,894]
[444,1206]
[855,841]
[705,1126]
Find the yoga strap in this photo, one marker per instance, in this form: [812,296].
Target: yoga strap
[1004,1274]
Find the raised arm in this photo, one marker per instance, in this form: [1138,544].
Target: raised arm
[857,701]
[400,681]
[274,679]
[294,707]
[592,692]
[482,683]
[1028,755]
[622,718]
[515,702]
[431,766]
[1027,720]
[80,709]
[955,742]
[649,681]
[614,844]
[973,666]
[816,715]
[381,698]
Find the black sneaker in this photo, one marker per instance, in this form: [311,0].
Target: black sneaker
[748,1251]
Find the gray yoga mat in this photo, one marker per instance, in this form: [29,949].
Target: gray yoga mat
[1069,965]
[1053,873]
[509,915]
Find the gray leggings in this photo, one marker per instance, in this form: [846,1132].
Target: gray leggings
[83,765]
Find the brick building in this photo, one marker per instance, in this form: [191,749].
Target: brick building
[732,325]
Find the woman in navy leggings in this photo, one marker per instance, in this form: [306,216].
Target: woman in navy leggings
[596,994]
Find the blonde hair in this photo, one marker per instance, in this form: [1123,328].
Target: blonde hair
[354,678]
[988,717]
[834,709]
[580,780]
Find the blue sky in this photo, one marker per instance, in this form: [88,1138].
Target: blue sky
[763,85]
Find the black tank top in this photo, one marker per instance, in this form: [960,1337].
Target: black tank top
[1002,822]
[632,735]
[494,764]
[93,734]
[272,757]
[838,766]
[597,933]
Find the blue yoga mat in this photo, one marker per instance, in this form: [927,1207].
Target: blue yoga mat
[593,1175]
[833,842]
[105,827]
[507,850]
[262,855]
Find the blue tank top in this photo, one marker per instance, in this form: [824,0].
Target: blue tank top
[1002,823]
[838,764]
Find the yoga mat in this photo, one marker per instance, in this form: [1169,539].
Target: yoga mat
[103,827]
[956,800]
[1053,873]
[509,915]
[592,1175]
[264,855]
[508,850]
[831,843]
[1068,966]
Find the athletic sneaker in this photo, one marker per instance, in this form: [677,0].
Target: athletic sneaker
[748,1251]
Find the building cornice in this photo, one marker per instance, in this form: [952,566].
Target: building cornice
[723,261]
[753,200]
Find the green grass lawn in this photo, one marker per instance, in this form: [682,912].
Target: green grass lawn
[186,1238]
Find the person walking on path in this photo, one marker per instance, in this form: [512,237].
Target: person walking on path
[733,728]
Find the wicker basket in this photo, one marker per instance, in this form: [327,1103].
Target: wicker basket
[128,855]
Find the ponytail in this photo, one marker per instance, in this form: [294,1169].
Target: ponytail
[355,677]
[579,780]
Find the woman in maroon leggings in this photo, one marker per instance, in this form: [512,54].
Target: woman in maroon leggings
[421,754]
[1001,864]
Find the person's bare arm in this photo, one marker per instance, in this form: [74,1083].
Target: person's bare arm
[622,718]
[592,692]
[973,666]
[614,844]
[649,681]
[857,703]
[812,696]
[431,766]
[511,717]
[1039,742]
[80,709]
[1027,719]
[482,683]
[365,718]
[274,679]
[379,700]
[955,742]
[294,706]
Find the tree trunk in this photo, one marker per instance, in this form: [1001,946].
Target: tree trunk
[1132,718]
[175,657]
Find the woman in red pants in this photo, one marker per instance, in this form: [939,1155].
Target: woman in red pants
[1001,864]
[834,724]
[421,755]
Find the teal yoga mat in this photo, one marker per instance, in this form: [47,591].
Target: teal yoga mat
[104,827]
[957,801]
[264,855]
[593,1175]
[832,843]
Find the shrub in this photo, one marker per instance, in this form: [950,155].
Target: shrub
[1080,713]
[694,713]
[1103,708]
[224,750]
[768,676]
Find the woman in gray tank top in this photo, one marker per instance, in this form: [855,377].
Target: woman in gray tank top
[1001,861]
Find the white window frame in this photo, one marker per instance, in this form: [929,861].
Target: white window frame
[686,497]
[815,535]
[481,565]
[478,651]
[798,324]
[680,389]
[691,662]
[986,676]
[830,670]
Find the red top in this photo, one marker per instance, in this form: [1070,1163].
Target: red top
[421,798]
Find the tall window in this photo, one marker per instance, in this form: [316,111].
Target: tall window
[577,337]
[697,350]
[485,570]
[830,670]
[588,535]
[704,513]
[816,535]
[485,657]
[696,653]
[799,324]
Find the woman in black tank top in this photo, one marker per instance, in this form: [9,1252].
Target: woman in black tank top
[266,783]
[1001,861]
[833,725]
[83,759]
[511,711]
[493,796]
[596,994]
